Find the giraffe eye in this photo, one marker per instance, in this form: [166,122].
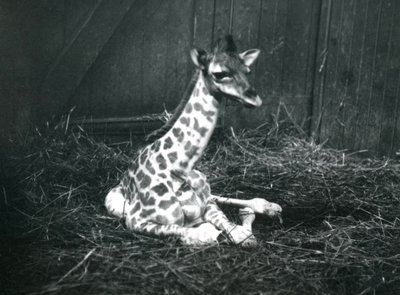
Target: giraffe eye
[220,76]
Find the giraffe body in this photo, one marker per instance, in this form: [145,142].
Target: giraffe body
[161,193]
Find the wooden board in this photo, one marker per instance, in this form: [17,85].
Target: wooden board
[332,60]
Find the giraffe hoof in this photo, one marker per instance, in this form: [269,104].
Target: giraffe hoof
[205,234]
[262,206]
[250,242]
[241,235]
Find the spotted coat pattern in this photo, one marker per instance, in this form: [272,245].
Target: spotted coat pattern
[161,194]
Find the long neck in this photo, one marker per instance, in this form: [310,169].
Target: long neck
[192,131]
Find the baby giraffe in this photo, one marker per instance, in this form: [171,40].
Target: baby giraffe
[161,194]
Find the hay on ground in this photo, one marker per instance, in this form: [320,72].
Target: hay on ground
[341,230]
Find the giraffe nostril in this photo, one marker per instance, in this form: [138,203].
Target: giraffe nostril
[250,92]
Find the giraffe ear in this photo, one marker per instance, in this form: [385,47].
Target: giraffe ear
[249,56]
[199,58]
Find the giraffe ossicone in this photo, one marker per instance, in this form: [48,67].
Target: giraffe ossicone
[161,193]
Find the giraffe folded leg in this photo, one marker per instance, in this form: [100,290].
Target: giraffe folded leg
[258,205]
[247,216]
[116,203]
[238,234]
[205,234]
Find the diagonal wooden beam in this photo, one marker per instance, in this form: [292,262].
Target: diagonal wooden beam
[79,54]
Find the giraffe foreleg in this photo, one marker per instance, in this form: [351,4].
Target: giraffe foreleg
[258,205]
[247,216]
[238,234]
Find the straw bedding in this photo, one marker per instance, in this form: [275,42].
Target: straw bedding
[340,235]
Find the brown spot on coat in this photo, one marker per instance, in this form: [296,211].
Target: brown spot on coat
[192,151]
[132,187]
[184,164]
[198,107]
[188,145]
[178,133]
[162,163]
[162,219]
[166,204]
[135,208]
[185,121]
[201,130]
[173,157]
[168,143]
[160,189]
[139,175]
[188,108]
[169,183]
[147,199]
[150,168]
[133,166]
[162,175]
[146,181]
[147,212]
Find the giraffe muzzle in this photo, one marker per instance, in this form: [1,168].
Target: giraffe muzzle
[253,102]
[250,98]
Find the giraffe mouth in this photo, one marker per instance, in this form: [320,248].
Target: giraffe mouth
[251,102]
[248,102]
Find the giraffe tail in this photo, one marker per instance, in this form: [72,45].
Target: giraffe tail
[116,202]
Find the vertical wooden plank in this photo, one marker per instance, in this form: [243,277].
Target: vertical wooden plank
[273,42]
[294,67]
[203,23]
[366,142]
[394,67]
[360,107]
[221,24]
[324,56]
[177,52]
[378,82]
[395,140]
[349,76]
[246,23]
[391,71]
[362,77]
[153,54]
[338,76]
[314,36]
[366,69]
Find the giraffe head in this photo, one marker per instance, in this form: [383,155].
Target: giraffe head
[226,71]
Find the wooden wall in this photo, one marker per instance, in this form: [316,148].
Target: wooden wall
[333,63]
[143,65]
[357,94]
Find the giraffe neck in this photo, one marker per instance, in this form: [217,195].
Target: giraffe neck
[192,131]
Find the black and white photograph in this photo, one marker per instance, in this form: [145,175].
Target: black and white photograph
[200,147]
